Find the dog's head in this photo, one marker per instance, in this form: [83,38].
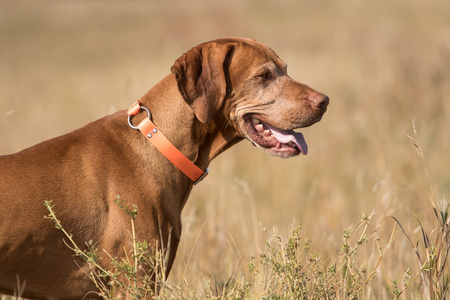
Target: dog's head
[248,83]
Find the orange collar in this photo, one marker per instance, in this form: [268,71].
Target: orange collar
[159,140]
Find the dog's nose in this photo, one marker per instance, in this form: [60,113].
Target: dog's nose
[320,101]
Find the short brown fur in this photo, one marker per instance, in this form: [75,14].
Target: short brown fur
[203,107]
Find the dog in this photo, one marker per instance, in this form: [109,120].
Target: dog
[217,94]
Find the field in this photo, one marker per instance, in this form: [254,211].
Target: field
[384,64]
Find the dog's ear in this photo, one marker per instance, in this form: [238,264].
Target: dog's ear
[200,74]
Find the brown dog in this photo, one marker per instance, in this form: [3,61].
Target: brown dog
[218,93]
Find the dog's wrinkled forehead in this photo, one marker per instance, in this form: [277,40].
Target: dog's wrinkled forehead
[271,55]
[255,52]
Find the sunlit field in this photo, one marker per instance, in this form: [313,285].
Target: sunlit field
[385,66]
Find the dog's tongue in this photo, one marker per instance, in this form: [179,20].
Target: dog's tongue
[286,136]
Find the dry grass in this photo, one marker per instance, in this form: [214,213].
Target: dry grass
[383,64]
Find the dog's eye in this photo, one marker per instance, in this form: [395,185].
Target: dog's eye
[264,75]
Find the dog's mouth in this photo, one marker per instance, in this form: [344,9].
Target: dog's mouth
[275,141]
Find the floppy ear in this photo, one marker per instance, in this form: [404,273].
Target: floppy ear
[201,78]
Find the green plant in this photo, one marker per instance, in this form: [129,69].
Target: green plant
[138,274]
[294,272]
[433,259]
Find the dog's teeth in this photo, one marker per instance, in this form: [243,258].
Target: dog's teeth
[267,131]
[256,121]
[259,127]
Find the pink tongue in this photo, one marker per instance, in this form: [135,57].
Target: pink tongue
[286,136]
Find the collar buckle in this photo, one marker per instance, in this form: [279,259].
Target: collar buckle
[202,177]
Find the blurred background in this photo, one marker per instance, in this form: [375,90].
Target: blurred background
[384,65]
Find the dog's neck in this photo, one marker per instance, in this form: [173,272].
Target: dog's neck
[201,143]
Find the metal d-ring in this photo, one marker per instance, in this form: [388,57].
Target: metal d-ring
[130,117]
